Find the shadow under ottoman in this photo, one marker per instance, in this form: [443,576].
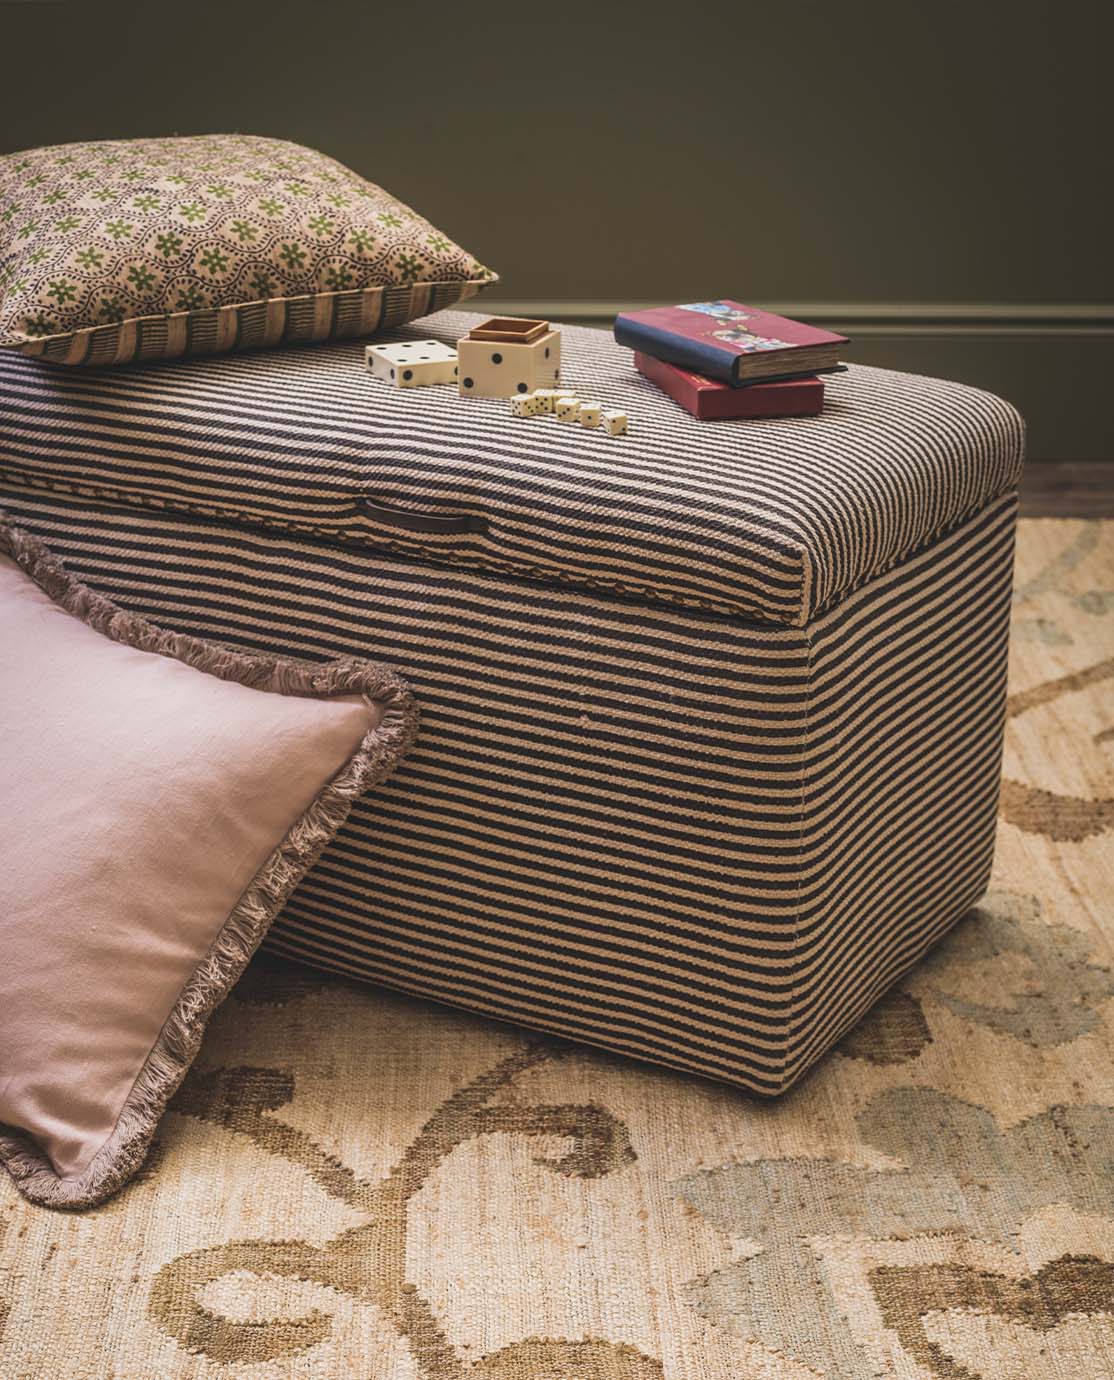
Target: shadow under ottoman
[711,714]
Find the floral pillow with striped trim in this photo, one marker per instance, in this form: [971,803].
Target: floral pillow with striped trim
[152,248]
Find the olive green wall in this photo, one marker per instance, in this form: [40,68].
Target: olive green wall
[934,176]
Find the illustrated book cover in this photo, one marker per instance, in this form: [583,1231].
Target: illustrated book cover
[730,342]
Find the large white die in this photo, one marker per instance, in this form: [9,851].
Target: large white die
[413,364]
[494,364]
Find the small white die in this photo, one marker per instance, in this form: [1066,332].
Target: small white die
[526,405]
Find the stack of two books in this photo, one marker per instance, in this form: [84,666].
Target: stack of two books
[722,359]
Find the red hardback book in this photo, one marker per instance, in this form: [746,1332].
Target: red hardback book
[728,341]
[710,400]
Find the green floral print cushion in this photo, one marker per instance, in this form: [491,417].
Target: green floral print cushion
[151,248]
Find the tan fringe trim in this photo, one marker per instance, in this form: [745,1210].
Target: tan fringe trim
[180,1038]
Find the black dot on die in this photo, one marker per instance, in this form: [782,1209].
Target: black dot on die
[455,371]
[497,359]
[392,373]
[523,388]
[547,352]
[407,373]
[467,383]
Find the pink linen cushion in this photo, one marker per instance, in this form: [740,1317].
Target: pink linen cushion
[160,797]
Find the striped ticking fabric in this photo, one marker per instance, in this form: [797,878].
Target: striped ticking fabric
[251,325]
[694,837]
[772,521]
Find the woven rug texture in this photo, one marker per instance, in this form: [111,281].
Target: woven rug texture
[356,1184]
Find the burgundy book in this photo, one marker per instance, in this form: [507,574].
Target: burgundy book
[727,341]
[711,400]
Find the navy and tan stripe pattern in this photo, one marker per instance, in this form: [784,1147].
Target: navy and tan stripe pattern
[768,520]
[694,838]
[307,319]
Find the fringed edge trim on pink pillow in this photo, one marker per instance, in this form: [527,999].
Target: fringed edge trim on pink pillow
[180,1038]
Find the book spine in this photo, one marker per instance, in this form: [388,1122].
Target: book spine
[803,397]
[713,363]
[672,384]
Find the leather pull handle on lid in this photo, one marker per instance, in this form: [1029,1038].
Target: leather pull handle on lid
[447,524]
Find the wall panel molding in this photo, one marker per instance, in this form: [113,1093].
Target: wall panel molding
[897,320]
[1053,361]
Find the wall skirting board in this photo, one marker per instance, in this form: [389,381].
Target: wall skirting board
[876,318]
[1054,361]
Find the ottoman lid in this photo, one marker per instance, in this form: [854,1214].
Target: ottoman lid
[770,520]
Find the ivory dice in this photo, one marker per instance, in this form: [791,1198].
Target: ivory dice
[590,413]
[526,405]
[500,368]
[568,409]
[413,364]
[615,423]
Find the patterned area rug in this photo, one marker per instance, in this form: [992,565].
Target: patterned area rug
[353,1184]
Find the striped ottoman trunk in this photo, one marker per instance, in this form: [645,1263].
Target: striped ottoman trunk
[711,714]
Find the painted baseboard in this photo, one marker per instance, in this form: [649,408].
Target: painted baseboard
[1053,361]
[899,320]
